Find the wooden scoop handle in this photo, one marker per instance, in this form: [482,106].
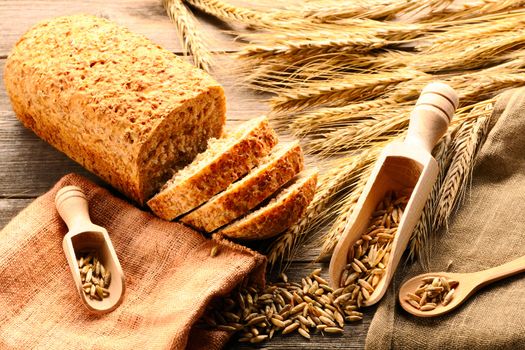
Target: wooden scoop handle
[72,205]
[431,116]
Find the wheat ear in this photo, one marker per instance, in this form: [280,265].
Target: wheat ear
[338,92]
[332,11]
[186,24]
[301,48]
[227,12]
[471,137]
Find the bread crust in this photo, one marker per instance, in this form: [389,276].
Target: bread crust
[105,97]
[246,194]
[246,153]
[271,220]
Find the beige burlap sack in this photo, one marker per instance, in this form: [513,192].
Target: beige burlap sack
[170,278]
[488,230]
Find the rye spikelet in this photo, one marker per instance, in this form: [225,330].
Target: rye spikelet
[188,32]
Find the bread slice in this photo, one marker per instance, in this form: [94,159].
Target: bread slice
[225,160]
[279,167]
[285,209]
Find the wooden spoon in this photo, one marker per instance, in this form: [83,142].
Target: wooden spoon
[469,283]
[83,235]
[401,165]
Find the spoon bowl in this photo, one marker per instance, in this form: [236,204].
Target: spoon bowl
[84,236]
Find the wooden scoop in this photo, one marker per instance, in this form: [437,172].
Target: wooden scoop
[84,236]
[469,283]
[401,165]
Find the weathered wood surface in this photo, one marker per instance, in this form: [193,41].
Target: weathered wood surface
[29,167]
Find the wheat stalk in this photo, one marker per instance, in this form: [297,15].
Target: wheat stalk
[186,24]
[458,34]
[487,85]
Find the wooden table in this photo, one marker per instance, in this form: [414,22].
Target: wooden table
[29,166]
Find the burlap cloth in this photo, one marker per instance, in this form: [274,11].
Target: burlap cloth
[170,278]
[488,230]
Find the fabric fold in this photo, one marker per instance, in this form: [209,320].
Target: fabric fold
[170,279]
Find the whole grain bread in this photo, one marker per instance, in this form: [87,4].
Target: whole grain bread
[226,160]
[279,167]
[285,209]
[118,104]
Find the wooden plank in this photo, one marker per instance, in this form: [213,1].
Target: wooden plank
[146,17]
[10,207]
[29,166]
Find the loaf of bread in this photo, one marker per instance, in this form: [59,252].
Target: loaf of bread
[282,211]
[226,160]
[280,166]
[118,104]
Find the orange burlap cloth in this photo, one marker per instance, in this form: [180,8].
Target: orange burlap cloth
[170,278]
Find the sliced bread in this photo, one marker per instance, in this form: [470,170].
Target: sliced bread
[279,167]
[224,161]
[285,209]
